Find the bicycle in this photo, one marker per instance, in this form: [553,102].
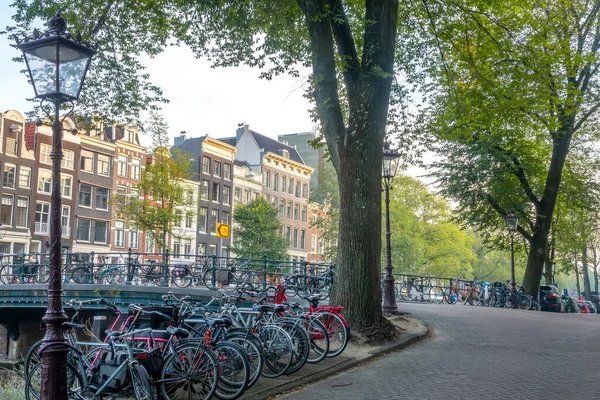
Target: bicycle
[412,291]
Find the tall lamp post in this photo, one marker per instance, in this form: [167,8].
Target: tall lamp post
[390,166]
[57,63]
[512,222]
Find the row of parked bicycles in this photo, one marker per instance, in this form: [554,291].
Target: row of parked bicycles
[229,274]
[497,294]
[187,349]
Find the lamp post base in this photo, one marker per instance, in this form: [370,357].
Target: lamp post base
[389,297]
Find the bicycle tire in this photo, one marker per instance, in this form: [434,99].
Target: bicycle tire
[181,281]
[337,330]
[191,371]
[253,349]
[117,276]
[32,357]
[6,275]
[42,274]
[524,302]
[436,295]
[319,339]
[407,291]
[277,350]
[234,370]
[33,382]
[300,341]
[78,275]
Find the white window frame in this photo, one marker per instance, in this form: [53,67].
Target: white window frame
[45,150]
[63,179]
[42,174]
[22,175]
[89,230]
[68,161]
[8,200]
[22,200]
[136,168]
[12,150]
[119,234]
[122,169]
[14,176]
[103,161]
[86,155]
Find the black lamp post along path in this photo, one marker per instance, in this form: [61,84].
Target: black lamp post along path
[57,65]
[512,222]
[389,168]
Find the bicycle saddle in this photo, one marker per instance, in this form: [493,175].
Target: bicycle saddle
[291,304]
[178,332]
[219,321]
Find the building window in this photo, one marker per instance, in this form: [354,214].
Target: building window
[100,231]
[24,177]
[134,194]
[12,147]
[295,237]
[305,191]
[283,181]
[8,179]
[275,182]
[267,198]
[213,249]
[149,242]
[288,235]
[291,186]
[44,181]
[225,217]
[120,234]
[226,195]
[68,161]
[302,239]
[214,217]
[313,243]
[86,162]
[201,249]
[83,229]
[121,195]
[237,194]
[189,219]
[122,166]
[85,195]
[267,179]
[102,198]
[65,221]
[217,171]
[203,219]
[133,239]
[215,192]
[187,249]
[206,165]
[136,168]
[296,211]
[289,209]
[246,197]
[227,171]
[45,150]
[282,208]
[204,190]
[304,214]
[275,202]
[6,212]
[190,196]
[42,217]
[176,248]
[22,212]
[66,184]
[103,167]
[298,189]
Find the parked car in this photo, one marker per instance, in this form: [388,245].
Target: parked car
[551,299]
[591,308]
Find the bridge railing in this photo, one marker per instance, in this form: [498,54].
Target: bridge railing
[166,269]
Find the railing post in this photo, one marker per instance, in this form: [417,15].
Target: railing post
[91,269]
[22,262]
[264,274]
[166,267]
[129,268]
[214,270]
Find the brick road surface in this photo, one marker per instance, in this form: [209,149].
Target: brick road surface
[480,353]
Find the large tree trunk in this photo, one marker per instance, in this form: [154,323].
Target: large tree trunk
[545,208]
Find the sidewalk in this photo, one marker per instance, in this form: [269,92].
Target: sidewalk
[354,355]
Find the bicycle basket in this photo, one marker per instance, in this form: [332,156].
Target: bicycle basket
[109,363]
[179,272]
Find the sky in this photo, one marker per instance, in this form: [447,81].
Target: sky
[203,100]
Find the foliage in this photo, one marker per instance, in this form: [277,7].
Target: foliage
[512,94]
[257,231]
[325,203]
[163,190]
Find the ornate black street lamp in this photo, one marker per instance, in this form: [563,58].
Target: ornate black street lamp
[57,64]
[512,222]
[390,166]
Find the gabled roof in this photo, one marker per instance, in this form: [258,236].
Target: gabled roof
[191,145]
[229,140]
[274,146]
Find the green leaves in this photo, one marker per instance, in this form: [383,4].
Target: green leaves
[257,231]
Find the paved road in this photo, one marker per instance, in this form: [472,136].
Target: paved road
[481,353]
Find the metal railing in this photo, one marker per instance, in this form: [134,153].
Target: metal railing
[168,269]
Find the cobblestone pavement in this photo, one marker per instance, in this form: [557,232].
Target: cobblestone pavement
[480,353]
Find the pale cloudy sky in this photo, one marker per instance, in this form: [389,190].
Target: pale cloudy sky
[203,100]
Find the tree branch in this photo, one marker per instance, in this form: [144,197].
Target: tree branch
[586,116]
[500,211]
[516,167]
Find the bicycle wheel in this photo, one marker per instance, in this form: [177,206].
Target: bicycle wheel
[42,274]
[337,330]
[277,350]
[319,339]
[300,341]
[524,302]
[436,295]
[140,382]
[6,275]
[252,347]
[407,292]
[78,275]
[234,370]
[33,382]
[181,279]
[118,276]
[189,372]
[32,357]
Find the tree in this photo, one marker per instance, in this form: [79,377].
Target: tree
[518,91]
[257,231]
[350,46]
[325,202]
[163,190]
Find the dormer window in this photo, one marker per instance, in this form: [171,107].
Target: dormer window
[284,153]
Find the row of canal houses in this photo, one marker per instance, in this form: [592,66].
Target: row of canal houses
[101,162]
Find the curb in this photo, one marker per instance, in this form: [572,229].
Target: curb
[341,367]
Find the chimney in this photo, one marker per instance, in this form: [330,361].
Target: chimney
[180,139]
[240,131]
